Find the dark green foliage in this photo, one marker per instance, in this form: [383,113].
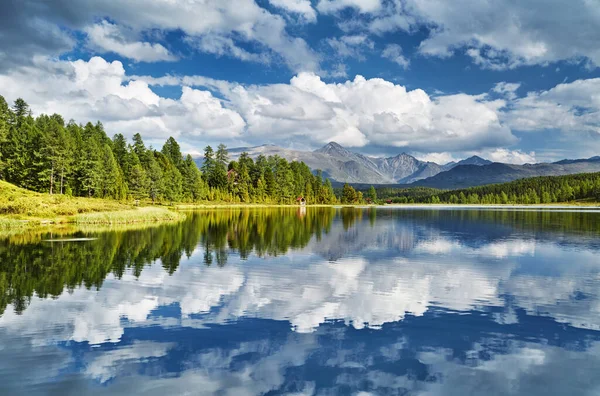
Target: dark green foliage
[44,155]
[530,191]
[372,194]
[350,195]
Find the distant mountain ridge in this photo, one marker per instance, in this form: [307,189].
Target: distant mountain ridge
[345,166]
[470,176]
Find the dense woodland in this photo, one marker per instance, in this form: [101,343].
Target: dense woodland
[46,154]
[535,190]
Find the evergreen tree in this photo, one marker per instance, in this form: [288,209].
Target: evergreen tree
[156,184]
[111,183]
[372,194]
[138,182]
[194,187]
[5,117]
[172,151]
[55,151]
[120,149]
[349,194]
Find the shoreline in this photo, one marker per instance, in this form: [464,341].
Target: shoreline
[141,215]
[566,205]
[161,214]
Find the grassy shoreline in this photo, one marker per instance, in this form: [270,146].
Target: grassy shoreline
[23,209]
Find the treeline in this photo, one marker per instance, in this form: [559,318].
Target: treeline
[536,190]
[396,194]
[45,154]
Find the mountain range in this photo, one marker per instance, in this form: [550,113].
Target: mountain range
[344,166]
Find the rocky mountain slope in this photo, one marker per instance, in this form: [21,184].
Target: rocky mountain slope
[470,175]
[345,166]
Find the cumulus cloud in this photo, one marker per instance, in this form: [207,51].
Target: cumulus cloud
[35,28]
[108,37]
[506,35]
[100,90]
[512,34]
[375,111]
[438,158]
[393,52]
[570,107]
[511,156]
[364,6]
[301,7]
[355,113]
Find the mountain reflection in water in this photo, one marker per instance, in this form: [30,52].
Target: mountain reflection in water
[307,301]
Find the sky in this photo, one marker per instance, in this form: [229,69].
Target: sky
[513,81]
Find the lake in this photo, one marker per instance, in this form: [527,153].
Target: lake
[307,301]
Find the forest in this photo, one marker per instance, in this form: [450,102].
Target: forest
[46,154]
[535,190]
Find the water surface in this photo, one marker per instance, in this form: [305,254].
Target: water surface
[307,301]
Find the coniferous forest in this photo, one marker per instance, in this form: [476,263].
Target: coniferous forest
[529,191]
[47,154]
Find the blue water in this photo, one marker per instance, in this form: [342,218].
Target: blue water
[307,302]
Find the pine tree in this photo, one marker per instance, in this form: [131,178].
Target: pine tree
[5,116]
[120,149]
[155,179]
[372,194]
[111,184]
[349,195]
[172,151]
[270,184]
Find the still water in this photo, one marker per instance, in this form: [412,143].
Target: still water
[307,301]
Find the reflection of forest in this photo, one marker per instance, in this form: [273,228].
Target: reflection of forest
[30,266]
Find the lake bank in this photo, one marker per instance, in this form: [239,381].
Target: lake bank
[21,209]
[128,216]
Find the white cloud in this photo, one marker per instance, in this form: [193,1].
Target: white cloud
[107,37]
[570,107]
[393,52]
[226,46]
[508,90]
[230,24]
[354,113]
[351,46]
[364,6]
[510,156]
[513,34]
[88,91]
[302,7]
[505,35]
[438,158]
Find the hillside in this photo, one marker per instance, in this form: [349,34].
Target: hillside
[17,201]
[345,166]
[464,176]
[535,190]
[18,204]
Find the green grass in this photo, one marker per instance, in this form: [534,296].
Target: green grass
[19,203]
[138,215]
[20,208]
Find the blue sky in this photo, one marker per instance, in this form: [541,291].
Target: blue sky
[514,81]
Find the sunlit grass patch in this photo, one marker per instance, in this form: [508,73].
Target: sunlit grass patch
[138,215]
